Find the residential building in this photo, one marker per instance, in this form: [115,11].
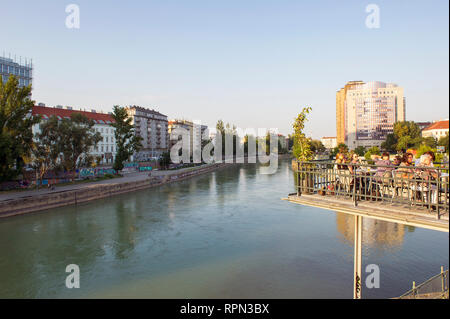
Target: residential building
[194,129]
[152,127]
[437,129]
[329,142]
[105,149]
[22,70]
[367,112]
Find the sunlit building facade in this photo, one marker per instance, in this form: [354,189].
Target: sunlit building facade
[368,113]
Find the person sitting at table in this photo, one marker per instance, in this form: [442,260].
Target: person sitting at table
[397,160]
[343,172]
[384,166]
[340,161]
[383,175]
[431,154]
[404,174]
[354,160]
[406,166]
[427,174]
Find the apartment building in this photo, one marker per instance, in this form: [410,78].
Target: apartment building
[105,149]
[152,127]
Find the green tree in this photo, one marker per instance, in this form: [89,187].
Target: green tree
[407,134]
[127,143]
[374,150]
[316,146]
[47,148]
[429,141]
[78,136]
[390,144]
[16,121]
[341,148]
[301,149]
[443,141]
[360,150]
[164,160]
[71,139]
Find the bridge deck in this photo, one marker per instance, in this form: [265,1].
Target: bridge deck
[395,213]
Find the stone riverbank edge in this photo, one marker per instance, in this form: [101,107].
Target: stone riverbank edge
[55,199]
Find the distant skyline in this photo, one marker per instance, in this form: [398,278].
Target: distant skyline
[250,63]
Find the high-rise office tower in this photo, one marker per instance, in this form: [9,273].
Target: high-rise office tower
[367,112]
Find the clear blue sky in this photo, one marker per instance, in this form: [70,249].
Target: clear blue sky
[251,63]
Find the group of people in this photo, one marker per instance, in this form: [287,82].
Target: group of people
[403,169]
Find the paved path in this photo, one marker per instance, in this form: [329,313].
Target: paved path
[130,177]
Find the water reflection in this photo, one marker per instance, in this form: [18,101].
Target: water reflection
[376,233]
[225,234]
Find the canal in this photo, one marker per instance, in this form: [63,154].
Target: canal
[225,234]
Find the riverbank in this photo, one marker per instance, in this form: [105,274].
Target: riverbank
[37,200]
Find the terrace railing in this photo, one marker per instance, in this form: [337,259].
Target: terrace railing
[434,288]
[419,188]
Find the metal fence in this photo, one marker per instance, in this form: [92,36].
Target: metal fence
[416,187]
[434,288]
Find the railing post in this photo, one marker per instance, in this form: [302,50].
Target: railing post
[442,279]
[438,193]
[357,286]
[414,289]
[355,201]
[299,192]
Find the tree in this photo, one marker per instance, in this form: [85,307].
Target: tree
[390,143]
[316,146]
[164,160]
[374,150]
[407,134]
[360,150]
[429,141]
[341,148]
[69,141]
[290,142]
[443,141]
[16,121]
[227,130]
[47,148]
[77,138]
[301,150]
[127,143]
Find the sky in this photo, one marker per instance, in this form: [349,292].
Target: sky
[254,64]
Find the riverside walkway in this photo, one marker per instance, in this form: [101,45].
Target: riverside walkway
[414,196]
[129,177]
[22,202]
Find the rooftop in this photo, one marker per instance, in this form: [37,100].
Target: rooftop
[47,112]
[439,125]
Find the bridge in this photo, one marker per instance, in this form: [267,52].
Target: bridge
[413,196]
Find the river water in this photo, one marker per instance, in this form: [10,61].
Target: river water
[225,234]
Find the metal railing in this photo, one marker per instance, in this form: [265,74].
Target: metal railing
[434,288]
[423,188]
